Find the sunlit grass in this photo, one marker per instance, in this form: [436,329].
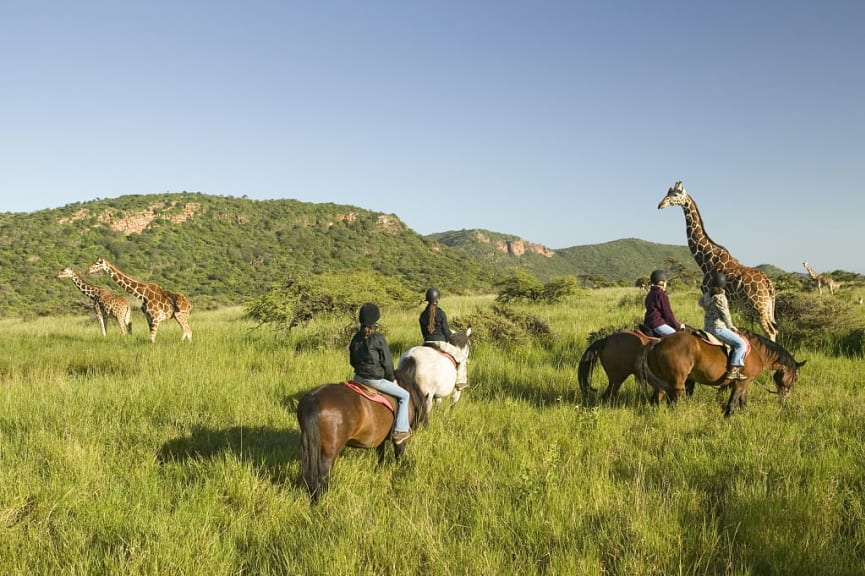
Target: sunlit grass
[122,457]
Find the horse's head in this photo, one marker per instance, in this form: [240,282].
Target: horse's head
[786,376]
[461,341]
[676,196]
[775,357]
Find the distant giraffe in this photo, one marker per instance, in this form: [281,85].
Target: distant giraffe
[822,280]
[105,302]
[157,303]
[749,286]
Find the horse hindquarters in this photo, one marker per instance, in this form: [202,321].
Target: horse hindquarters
[313,467]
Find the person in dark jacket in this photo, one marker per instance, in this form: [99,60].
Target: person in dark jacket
[659,315]
[437,334]
[370,356]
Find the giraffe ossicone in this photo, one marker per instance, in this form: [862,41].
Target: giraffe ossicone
[157,303]
[748,286]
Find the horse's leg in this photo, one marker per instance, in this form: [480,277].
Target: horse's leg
[455,396]
[398,449]
[612,391]
[429,404]
[379,451]
[737,393]
[689,386]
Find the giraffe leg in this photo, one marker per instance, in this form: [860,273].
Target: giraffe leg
[101,318]
[183,319]
[121,323]
[154,326]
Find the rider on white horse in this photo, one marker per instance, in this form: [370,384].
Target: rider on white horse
[437,334]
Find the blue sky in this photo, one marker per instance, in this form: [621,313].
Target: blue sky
[563,123]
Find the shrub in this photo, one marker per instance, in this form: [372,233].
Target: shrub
[299,300]
[825,324]
[505,326]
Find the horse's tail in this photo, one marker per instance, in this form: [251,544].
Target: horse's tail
[405,376]
[310,447]
[587,366]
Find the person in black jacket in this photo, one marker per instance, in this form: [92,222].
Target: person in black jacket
[437,334]
[369,355]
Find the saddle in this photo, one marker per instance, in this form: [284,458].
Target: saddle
[646,331]
[713,340]
[372,394]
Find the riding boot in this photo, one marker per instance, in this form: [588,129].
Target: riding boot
[735,373]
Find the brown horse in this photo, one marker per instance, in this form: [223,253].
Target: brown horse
[333,416]
[618,354]
[667,363]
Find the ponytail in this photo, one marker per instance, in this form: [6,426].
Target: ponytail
[431,321]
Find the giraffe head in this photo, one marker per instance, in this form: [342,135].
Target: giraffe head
[100,265]
[66,273]
[676,196]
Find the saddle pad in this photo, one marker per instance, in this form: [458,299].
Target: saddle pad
[370,394]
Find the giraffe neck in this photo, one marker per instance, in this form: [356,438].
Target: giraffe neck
[88,289]
[811,272]
[708,255]
[132,285]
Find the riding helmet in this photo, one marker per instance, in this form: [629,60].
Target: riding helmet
[369,314]
[432,295]
[658,276]
[718,279]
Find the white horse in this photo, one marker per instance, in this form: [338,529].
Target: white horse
[435,373]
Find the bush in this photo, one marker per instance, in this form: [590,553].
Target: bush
[825,324]
[506,327]
[299,300]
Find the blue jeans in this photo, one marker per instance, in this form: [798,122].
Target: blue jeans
[663,330]
[394,389]
[737,356]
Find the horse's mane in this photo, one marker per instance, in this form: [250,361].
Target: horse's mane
[407,381]
[784,357]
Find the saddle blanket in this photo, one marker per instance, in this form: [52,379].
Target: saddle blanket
[369,393]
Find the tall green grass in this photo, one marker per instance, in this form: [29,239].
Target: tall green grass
[122,457]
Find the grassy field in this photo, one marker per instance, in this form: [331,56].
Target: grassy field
[122,457]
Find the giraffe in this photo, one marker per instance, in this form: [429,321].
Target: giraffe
[822,280]
[157,303]
[748,286]
[105,302]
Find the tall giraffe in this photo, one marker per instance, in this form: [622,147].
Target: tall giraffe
[157,303]
[749,286]
[105,302]
[822,280]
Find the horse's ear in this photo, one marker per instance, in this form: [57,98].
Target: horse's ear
[468,331]
[800,364]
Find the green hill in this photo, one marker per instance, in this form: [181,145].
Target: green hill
[225,250]
[217,250]
[619,261]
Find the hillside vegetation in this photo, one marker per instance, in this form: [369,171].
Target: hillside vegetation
[225,250]
[216,250]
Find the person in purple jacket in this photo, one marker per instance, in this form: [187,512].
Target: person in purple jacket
[659,315]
